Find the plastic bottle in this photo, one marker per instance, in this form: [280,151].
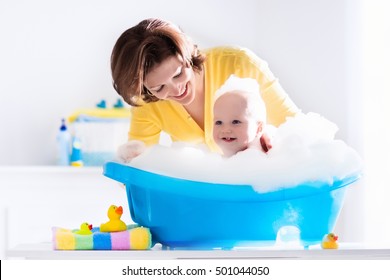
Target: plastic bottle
[64,145]
[76,158]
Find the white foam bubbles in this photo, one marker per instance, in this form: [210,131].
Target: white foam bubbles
[304,150]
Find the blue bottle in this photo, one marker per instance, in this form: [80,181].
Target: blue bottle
[76,159]
[64,145]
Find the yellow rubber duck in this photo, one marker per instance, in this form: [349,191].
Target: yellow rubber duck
[85,229]
[329,241]
[115,223]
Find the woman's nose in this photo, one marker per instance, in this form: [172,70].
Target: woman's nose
[176,90]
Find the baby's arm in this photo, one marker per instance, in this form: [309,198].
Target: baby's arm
[130,150]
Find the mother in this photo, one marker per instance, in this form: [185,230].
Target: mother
[170,84]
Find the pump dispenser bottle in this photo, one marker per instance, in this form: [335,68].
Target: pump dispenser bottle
[64,145]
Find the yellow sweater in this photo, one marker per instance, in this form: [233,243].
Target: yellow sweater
[149,120]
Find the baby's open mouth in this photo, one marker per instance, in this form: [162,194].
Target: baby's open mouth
[228,139]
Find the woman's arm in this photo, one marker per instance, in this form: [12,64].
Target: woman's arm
[278,104]
[143,132]
[142,127]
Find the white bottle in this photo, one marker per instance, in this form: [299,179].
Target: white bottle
[64,145]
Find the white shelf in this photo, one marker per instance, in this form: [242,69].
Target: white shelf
[44,251]
[33,169]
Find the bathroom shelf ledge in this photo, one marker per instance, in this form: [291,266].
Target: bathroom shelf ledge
[346,251]
[50,176]
[50,169]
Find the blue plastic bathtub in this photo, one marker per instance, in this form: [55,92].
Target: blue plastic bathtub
[183,213]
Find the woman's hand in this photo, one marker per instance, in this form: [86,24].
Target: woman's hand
[130,150]
[265,142]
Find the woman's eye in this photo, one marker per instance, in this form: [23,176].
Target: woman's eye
[236,122]
[179,74]
[218,122]
[160,89]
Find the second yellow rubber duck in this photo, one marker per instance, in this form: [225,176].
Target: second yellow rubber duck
[115,223]
[85,229]
[330,241]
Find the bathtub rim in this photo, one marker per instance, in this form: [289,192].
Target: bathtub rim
[131,176]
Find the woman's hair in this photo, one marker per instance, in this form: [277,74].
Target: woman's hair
[144,46]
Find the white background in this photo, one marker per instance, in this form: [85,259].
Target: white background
[55,57]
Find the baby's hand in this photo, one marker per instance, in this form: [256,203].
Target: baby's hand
[130,150]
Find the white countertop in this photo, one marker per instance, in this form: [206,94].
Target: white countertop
[345,251]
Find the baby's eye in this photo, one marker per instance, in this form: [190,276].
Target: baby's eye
[236,122]
[218,122]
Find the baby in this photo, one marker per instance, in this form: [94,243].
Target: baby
[239,115]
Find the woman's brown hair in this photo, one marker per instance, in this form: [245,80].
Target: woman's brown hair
[142,47]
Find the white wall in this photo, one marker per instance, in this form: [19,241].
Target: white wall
[376,45]
[55,58]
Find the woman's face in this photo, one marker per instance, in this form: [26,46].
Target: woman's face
[172,80]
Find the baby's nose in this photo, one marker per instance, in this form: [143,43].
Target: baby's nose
[226,130]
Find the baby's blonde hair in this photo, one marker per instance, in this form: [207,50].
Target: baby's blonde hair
[251,89]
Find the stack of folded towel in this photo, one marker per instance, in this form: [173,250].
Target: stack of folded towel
[134,238]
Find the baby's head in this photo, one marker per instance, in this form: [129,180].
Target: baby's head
[239,115]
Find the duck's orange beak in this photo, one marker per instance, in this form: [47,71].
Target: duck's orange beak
[90,227]
[335,238]
[119,210]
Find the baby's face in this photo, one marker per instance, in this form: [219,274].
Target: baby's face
[233,128]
